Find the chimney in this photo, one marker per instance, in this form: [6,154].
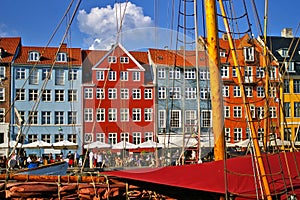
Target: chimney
[287,32]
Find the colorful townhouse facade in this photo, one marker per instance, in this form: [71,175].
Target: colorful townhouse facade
[118,102]
[263,107]
[286,50]
[9,48]
[46,96]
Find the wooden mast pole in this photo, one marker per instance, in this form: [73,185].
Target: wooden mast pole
[215,79]
[247,107]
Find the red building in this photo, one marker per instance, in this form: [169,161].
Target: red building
[118,102]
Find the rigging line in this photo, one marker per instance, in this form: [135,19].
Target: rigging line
[121,20]
[258,24]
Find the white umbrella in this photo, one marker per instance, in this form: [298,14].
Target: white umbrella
[279,142]
[65,144]
[11,145]
[243,143]
[37,144]
[96,144]
[124,145]
[150,144]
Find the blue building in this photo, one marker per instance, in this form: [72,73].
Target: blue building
[46,95]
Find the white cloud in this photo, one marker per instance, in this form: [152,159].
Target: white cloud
[100,24]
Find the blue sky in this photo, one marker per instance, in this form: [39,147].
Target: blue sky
[95,23]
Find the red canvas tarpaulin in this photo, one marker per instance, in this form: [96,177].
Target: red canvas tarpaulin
[281,169]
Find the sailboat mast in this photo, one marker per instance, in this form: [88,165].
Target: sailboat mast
[215,78]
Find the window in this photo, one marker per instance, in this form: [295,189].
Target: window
[136,137]
[227,134]
[112,59]
[260,91]
[148,136]
[73,74]
[249,54]
[72,117]
[286,86]
[162,119]
[287,134]
[88,114]
[136,93]
[59,77]
[20,73]
[175,119]
[226,111]
[252,111]
[100,137]
[175,93]
[46,96]
[190,117]
[88,138]
[58,137]
[100,115]
[174,73]
[124,93]
[224,71]
[100,75]
[88,93]
[72,138]
[46,73]
[2,115]
[100,93]
[273,112]
[136,76]
[272,72]
[72,95]
[296,109]
[2,72]
[237,111]
[112,114]
[248,75]
[46,138]
[225,91]
[289,66]
[248,91]
[206,118]
[136,114]
[112,75]
[112,93]
[234,72]
[59,95]
[283,52]
[61,57]
[20,94]
[33,77]
[125,137]
[260,112]
[204,93]
[190,93]
[32,117]
[296,86]
[124,76]
[124,114]
[112,138]
[190,74]
[2,94]
[161,73]
[124,60]
[204,74]
[260,134]
[162,92]
[33,94]
[237,134]
[46,117]
[59,117]
[33,56]
[236,91]
[32,138]
[148,114]
[287,109]
[148,94]
[260,72]
[272,91]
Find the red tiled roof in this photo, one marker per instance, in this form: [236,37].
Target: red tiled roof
[140,56]
[9,45]
[48,55]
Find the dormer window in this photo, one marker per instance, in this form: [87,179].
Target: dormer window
[284,52]
[289,66]
[124,59]
[222,54]
[33,56]
[249,54]
[112,59]
[61,57]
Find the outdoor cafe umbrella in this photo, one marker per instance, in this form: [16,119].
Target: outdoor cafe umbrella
[124,145]
[11,145]
[150,144]
[96,144]
[37,144]
[65,144]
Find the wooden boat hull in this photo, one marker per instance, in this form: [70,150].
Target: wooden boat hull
[58,168]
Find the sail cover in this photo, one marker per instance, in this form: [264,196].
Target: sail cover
[280,168]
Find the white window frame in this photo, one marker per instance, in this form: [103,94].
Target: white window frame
[112,93]
[124,114]
[249,54]
[100,114]
[112,75]
[136,114]
[124,93]
[112,59]
[124,75]
[88,114]
[136,76]
[100,75]
[112,114]
[148,114]
[100,94]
